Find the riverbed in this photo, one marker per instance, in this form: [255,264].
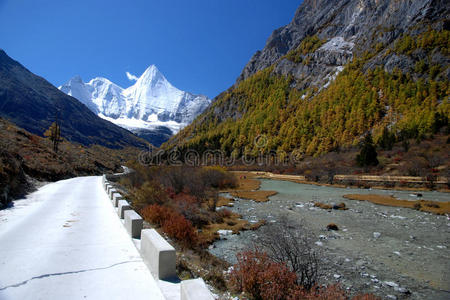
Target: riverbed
[395,253]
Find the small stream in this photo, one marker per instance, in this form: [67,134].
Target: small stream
[413,249]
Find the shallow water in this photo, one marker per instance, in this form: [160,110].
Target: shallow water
[307,192]
[413,250]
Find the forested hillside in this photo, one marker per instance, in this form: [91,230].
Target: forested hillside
[326,92]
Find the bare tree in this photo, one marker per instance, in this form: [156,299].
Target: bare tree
[285,243]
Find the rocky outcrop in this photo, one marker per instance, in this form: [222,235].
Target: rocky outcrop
[350,27]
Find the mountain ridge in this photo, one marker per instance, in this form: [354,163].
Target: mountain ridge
[31,102]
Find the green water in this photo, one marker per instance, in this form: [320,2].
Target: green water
[307,192]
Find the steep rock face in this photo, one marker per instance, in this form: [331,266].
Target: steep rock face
[144,108]
[32,103]
[360,24]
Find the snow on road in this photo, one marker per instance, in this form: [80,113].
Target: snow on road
[65,241]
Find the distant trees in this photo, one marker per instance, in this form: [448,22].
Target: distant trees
[368,154]
[308,45]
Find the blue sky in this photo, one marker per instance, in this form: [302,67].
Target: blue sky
[200,46]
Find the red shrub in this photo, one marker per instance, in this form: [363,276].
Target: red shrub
[185,199]
[261,278]
[173,223]
[181,229]
[156,214]
[332,292]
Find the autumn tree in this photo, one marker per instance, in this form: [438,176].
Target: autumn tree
[54,134]
[387,139]
[368,154]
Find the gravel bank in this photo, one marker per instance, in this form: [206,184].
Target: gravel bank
[396,253]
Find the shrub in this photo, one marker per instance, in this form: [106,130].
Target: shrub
[259,277]
[217,177]
[293,246]
[149,193]
[174,224]
[156,214]
[178,227]
[332,292]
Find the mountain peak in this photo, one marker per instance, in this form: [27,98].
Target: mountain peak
[150,102]
[76,79]
[151,76]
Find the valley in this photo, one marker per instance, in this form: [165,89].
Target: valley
[321,172]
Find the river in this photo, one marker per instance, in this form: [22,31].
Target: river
[410,256]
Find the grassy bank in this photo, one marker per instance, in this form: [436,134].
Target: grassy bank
[435,207]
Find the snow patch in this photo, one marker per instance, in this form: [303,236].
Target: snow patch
[338,44]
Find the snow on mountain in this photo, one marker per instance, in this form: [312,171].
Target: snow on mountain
[150,103]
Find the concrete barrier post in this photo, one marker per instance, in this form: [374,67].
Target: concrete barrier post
[195,289]
[108,188]
[116,198]
[111,192]
[159,254]
[133,223]
[123,206]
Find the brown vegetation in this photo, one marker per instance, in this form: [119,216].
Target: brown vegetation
[435,207]
[24,153]
[258,196]
[163,194]
[340,206]
[293,247]
[260,278]
[322,205]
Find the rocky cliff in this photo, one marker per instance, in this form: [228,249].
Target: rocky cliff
[350,27]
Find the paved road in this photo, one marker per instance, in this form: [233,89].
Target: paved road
[66,242]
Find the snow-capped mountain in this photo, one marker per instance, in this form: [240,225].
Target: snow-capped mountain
[150,104]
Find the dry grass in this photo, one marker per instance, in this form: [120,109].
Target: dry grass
[258,196]
[246,181]
[248,186]
[223,201]
[340,206]
[435,207]
[322,205]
